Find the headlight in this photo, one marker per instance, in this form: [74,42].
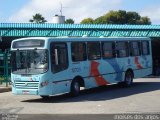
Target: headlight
[45,83]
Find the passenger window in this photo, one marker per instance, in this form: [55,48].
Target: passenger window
[135,48]
[122,49]
[145,48]
[78,51]
[93,49]
[108,50]
[59,57]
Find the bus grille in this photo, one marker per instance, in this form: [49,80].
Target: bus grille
[26,84]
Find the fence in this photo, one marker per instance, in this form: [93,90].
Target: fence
[5,67]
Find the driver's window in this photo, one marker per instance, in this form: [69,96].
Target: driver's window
[59,57]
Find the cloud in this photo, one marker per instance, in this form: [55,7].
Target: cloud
[153,12]
[2,19]
[75,9]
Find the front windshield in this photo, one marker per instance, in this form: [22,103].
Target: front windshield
[29,61]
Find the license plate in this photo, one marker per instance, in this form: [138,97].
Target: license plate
[25,92]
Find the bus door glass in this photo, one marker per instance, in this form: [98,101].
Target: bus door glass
[59,57]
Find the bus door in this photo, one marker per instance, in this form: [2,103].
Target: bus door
[59,66]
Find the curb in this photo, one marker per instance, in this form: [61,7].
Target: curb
[5,89]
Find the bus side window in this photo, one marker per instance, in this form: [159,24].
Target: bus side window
[108,49]
[61,57]
[78,51]
[135,48]
[145,48]
[122,49]
[93,49]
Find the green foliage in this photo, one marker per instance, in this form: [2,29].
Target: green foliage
[116,17]
[145,21]
[69,21]
[38,18]
[100,20]
[133,18]
[87,21]
[119,17]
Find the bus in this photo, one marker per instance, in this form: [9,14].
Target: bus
[49,66]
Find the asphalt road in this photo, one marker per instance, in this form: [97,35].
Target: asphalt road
[142,97]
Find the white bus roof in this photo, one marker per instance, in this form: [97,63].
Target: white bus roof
[84,38]
[75,39]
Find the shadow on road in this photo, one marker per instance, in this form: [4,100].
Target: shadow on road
[102,93]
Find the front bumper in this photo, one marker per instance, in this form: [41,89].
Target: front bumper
[25,91]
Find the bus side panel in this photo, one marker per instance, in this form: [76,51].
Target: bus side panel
[111,70]
[142,65]
[61,82]
[142,73]
[116,69]
[61,87]
[103,72]
[83,69]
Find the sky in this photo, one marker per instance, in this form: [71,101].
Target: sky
[20,11]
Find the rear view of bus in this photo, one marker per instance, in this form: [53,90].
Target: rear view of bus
[29,66]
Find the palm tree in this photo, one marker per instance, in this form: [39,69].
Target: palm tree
[38,18]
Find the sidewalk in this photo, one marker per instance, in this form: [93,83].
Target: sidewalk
[3,88]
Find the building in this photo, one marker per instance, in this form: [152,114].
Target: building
[10,31]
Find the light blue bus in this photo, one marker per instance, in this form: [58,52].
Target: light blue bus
[49,66]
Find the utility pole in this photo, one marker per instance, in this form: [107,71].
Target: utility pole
[61,7]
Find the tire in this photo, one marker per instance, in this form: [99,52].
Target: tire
[75,88]
[45,97]
[128,81]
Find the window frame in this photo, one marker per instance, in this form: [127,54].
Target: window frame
[113,49]
[148,47]
[126,49]
[131,48]
[84,43]
[66,46]
[100,52]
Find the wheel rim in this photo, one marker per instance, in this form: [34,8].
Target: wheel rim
[76,87]
[128,79]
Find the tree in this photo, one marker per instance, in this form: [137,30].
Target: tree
[121,17]
[69,21]
[133,18]
[145,21]
[116,17]
[87,21]
[38,18]
[100,20]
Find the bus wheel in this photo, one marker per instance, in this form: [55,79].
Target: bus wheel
[44,97]
[75,88]
[128,79]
